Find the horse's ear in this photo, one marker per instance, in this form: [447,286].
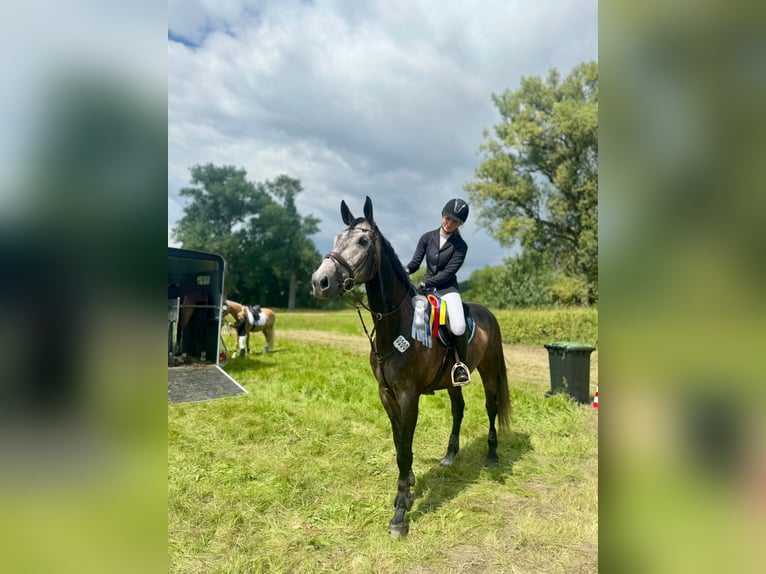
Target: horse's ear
[345,213]
[368,211]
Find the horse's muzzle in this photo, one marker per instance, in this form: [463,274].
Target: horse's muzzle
[321,287]
[324,283]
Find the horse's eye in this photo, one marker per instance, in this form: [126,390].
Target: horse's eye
[363,241]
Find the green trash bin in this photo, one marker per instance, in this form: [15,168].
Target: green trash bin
[570,369]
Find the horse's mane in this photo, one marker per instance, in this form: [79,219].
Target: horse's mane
[389,252]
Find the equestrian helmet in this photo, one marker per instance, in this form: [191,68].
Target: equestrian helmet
[457,209]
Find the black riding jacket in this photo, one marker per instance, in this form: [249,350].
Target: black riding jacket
[442,264]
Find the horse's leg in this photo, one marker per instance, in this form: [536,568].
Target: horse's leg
[399,525]
[458,405]
[241,327]
[489,379]
[179,334]
[391,407]
[184,317]
[266,332]
[395,418]
[272,326]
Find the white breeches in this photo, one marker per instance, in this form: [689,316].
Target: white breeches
[455,313]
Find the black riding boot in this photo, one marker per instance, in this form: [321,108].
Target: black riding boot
[460,373]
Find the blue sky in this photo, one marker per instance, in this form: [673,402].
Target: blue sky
[387,99]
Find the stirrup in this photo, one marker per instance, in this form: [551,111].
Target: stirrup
[452,374]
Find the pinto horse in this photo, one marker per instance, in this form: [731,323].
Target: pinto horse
[404,368]
[239,312]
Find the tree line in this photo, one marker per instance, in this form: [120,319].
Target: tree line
[535,190]
[256,227]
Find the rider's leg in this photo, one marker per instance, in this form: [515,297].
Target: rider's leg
[461,374]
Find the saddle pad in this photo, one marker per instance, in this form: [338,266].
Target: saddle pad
[251,319]
[445,337]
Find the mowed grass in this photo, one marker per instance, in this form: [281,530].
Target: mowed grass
[299,475]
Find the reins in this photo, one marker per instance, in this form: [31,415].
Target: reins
[373,344]
[348,284]
[375,315]
[348,287]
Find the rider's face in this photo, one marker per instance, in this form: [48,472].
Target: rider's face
[449,224]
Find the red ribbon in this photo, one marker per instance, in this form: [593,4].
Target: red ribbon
[434,301]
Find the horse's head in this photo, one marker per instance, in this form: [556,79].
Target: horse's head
[354,258]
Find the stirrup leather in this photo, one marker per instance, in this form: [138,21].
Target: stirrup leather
[456,366]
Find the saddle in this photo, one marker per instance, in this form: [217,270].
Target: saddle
[253,312]
[446,337]
[253,316]
[430,321]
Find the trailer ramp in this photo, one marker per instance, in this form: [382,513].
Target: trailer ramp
[200,382]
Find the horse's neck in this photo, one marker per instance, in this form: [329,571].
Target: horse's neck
[386,294]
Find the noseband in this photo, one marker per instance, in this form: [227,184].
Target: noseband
[348,283]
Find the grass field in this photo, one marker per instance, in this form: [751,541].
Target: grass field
[299,475]
[519,326]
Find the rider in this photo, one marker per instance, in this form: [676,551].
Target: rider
[444,250]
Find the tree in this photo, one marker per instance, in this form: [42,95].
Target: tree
[265,242]
[538,183]
[286,245]
[221,201]
[522,281]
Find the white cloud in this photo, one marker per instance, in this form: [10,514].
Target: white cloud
[175,212]
[386,99]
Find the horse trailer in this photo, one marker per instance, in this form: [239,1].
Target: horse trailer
[196,350]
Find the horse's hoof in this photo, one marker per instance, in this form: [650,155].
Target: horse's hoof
[491,462]
[399,531]
[448,460]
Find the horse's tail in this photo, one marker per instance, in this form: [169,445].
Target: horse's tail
[496,368]
[503,397]
[271,319]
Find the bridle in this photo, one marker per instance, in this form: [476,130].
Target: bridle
[348,283]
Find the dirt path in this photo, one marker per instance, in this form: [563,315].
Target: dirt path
[527,363]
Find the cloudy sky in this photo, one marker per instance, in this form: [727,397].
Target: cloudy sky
[384,98]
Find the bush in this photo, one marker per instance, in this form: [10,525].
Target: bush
[511,285]
[526,281]
[568,290]
[540,326]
